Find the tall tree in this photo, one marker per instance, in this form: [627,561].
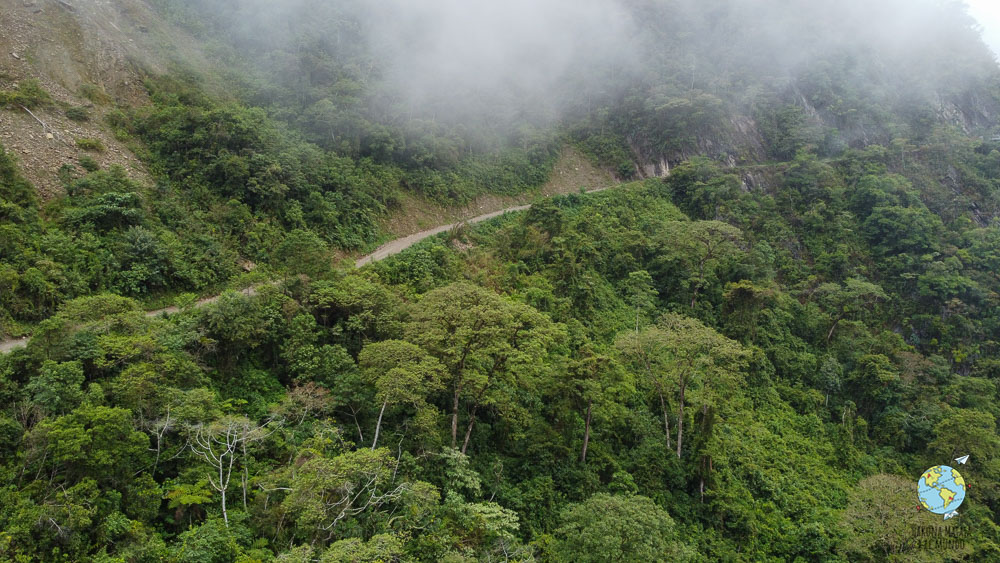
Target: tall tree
[702,248]
[679,352]
[401,373]
[317,492]
[853,299]
[223,445]
[489,345]
[641,294]
[595,381]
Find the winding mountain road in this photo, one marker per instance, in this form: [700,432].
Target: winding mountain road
[388,249]
[401,244]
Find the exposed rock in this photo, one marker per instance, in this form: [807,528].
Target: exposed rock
[658,169]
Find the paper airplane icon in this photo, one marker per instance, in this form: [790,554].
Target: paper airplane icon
[951,515]
[962,459]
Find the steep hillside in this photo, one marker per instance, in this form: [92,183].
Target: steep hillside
[750,82]
[753,352]
[89,55]
[571,173]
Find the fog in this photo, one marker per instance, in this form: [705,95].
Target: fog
[440,49]
[531,59]
[442,53]
[987,13]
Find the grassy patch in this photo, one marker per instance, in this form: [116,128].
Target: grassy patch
[95,94]
[90,144]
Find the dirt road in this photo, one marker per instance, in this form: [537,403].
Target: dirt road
[382,252]
[401,244]
[8,345]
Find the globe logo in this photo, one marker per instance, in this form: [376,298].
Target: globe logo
[941,490]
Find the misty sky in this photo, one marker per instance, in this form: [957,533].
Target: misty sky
[988,14]
[524,46]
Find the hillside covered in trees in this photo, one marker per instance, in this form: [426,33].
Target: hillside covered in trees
[748,350]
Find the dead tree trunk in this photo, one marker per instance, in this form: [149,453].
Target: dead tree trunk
[378,425]
[666,419]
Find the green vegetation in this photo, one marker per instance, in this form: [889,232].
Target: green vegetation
[90,144]
[95,94]
[751,359]
[602,374]
[77,113]
[89,164]
[29,94]
[101,237]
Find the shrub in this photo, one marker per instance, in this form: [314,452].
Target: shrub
[118,121]
[89,144]
[89,164]
[78,113]
[29,94]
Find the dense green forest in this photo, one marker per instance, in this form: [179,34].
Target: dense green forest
[751,358]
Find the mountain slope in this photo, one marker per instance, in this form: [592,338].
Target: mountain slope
[750,354]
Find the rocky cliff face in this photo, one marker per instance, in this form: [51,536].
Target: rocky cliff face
[742,140]
[974,112]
